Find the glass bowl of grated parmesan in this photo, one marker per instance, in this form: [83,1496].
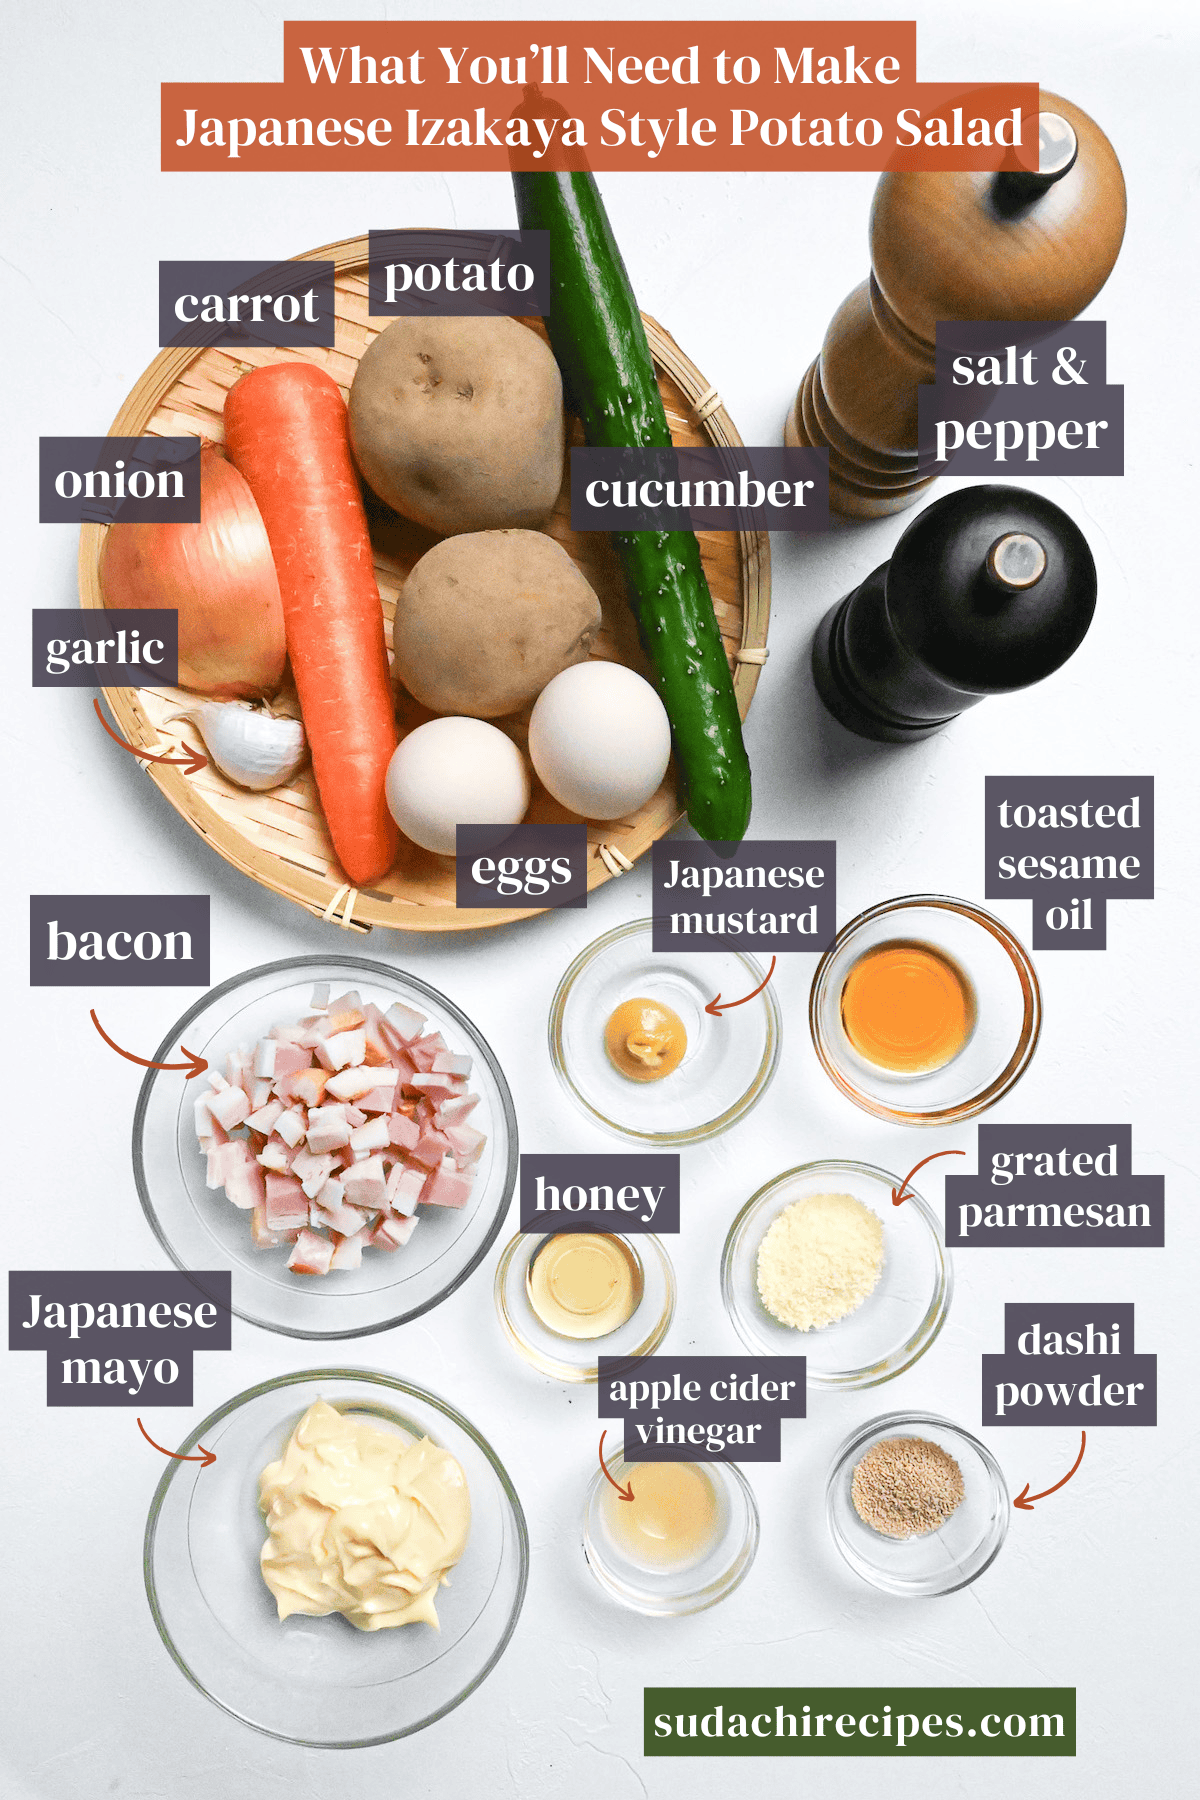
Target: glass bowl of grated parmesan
[819,1263]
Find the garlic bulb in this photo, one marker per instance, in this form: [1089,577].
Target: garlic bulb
[251,748]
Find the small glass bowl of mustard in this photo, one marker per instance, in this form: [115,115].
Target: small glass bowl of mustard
[669,1538]
[635,1049]
[925,1010]
[567,1298]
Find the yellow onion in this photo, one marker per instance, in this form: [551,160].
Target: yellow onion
[220,577]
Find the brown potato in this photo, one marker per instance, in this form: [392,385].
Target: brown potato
[486,619]
[458,423]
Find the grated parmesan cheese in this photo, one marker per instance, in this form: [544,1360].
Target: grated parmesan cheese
[819,1260]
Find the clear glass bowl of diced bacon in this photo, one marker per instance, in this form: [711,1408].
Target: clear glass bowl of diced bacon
[349,1154]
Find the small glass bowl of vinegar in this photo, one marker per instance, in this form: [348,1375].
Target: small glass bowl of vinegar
[925,1010]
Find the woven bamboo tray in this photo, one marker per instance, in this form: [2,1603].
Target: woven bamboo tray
[279,838]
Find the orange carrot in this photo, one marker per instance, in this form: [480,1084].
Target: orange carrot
[285,430]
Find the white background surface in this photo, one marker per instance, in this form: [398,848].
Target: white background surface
[1091,1589]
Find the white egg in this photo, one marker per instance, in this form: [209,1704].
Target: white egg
[455,772]
[600,739]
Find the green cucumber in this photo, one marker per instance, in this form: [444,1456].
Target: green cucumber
[597,335]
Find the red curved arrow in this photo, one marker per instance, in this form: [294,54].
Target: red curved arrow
[625,1492]
[191,763]
[195,1065]
[1025,1499]
[716,1008]
[205,1457]
[898,1194]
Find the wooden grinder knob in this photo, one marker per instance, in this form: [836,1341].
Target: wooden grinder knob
[964,245]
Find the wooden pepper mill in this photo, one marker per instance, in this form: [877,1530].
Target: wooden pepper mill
[1012,245]
[989,590]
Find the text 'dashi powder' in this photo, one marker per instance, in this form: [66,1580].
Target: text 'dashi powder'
[819,1259]
[906,1486]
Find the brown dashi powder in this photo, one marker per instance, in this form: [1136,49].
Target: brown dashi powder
[906,1486]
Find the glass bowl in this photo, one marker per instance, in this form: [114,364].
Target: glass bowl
[575,1359]
[939,1562]
[669,1593]
[199,1228]
[895,1324]
[1008,1011]
[322,1682]
[730,1060]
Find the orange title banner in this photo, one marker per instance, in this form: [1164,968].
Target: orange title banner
[438,95]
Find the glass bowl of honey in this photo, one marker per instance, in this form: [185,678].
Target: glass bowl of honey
[669,1538]
[925,1010]
[567,1298]
[637,1051]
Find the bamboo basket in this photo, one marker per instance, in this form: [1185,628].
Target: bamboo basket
[279,838]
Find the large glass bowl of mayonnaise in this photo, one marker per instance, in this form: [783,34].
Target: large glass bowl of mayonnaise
[321,1681]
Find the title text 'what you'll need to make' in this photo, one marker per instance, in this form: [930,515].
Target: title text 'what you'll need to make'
[474,95]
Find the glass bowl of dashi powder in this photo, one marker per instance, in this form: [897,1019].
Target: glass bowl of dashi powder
[916,1505]
[820,1264]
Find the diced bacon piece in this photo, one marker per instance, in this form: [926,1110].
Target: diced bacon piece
[365,1183]
[403,1131]
[447,1187]
[371,1136]
[260,1094]
[327,1129]
[239,1069]
[437,1088]
[204,1120]
[347,1253]
[287,1203]
[287,1034]
[379,1049]
[406,1023]
[265,1052]
[264,1119]
[466,1142]
[425,1051]
[345,1220]
[217,1081]
[342,1049]
[261,1235]
[289,1060]
[445,1063]
[308,1087]
[214,1175]
[389,1234]
[312,1172]
[312,1255]
[431,1147]
[319,998]
[379,1100]
[230,1106]
[277,1156]
[242,1178]
[454,1110]
[351,1083]
[333,1193]
[291,1125]
[405,1184]
[355,1117]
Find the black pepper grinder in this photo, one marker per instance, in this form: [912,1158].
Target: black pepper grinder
[989,590]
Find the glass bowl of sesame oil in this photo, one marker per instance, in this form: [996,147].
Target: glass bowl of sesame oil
[925,1010]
